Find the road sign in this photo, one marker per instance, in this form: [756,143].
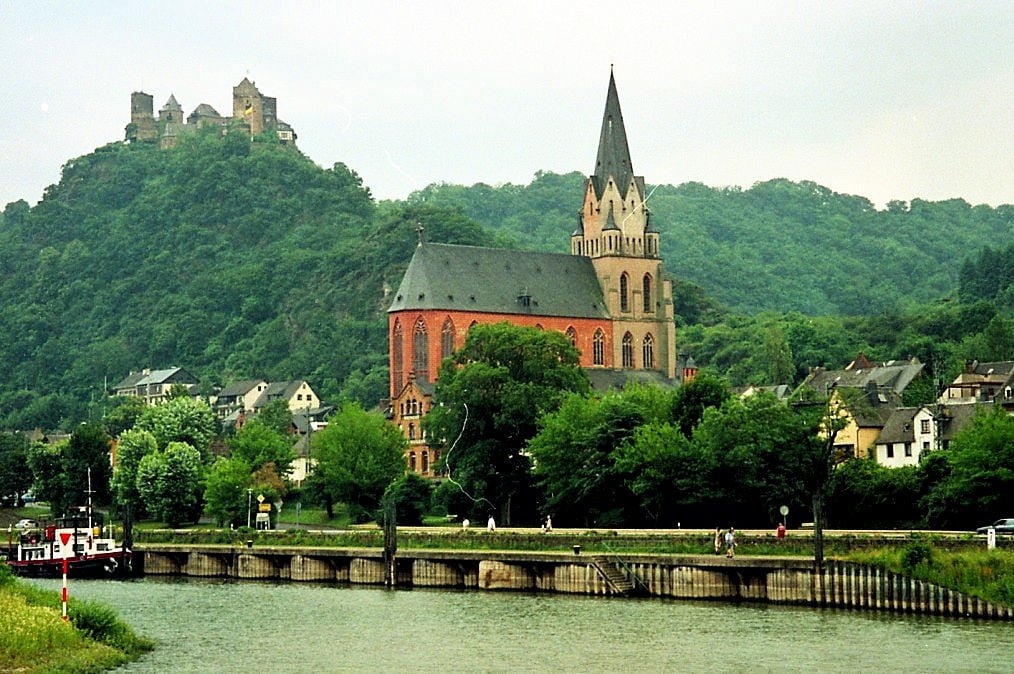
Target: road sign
[264,508]
[260,498]
[784,510]
[66,548]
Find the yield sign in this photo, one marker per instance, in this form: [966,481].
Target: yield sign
[65,543]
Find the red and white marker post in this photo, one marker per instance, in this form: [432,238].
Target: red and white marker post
[64,547]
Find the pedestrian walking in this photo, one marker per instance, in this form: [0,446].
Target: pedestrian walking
[718,540]
[780,532]
[491,524]
[730,543]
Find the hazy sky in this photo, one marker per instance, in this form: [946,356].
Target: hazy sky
[889,100]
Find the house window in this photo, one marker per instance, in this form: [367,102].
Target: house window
[908,449]
[924,426]
[420,351]
[648,352]
[397,356]
[925,445]
[624,292]
[628,350]
[447,339]
[646,294]
[890,451]
[599,348]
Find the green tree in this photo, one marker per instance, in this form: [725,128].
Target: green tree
[358,454]
[977,486]
[49,480]
[258,444]
[131,448]
[673,479]
[169,483]
[180,420]
[574,459]
[694,397]
[121,414]
[86,457]
[225,491]
[15,478]
[276,416]
[413,497]
[503,378]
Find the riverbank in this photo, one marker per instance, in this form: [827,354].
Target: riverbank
[35,639]
[955,561]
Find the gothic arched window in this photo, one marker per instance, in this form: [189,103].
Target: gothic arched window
[628,350]
[398,358]
[648,352]
[571,336]
[646,292]
[420,351]
[624,292]
[447,339]
[599,348]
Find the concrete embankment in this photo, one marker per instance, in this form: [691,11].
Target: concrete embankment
[780,580]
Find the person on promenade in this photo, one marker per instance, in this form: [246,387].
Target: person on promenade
[780,532]
[491,524]
[718,540]
[730,543]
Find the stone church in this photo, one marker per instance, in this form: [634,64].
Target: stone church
[611,295]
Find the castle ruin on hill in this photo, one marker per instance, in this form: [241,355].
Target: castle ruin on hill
[252,112]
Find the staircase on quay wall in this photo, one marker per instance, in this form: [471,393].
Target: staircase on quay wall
[618,581]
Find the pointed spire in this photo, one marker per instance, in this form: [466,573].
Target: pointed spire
[613,160]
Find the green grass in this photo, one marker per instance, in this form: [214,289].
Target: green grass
[987,574]
[35,639]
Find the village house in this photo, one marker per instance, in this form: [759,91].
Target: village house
[153,386]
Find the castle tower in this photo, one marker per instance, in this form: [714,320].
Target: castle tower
[142,117]
[615,230]
[248,106]
[171,112]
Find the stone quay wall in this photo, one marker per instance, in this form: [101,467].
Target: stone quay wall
[779,580]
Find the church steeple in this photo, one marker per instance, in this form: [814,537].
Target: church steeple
[613,160]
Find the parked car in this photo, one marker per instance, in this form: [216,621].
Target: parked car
[28,497]
[26,524]
[1004,526]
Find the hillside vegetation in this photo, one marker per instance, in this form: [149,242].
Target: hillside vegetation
[236,258]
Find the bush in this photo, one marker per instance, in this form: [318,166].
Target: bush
[914,555]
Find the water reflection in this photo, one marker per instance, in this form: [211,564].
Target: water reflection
[228,626]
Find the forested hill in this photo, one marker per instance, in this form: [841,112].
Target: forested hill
[236,259]
[231,258]
[780,245]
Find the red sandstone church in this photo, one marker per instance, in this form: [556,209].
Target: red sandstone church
[610,296]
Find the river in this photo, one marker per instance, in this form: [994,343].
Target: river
[228,626]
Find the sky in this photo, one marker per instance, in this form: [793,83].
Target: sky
[887,100]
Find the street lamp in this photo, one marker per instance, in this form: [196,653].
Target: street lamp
[249,496]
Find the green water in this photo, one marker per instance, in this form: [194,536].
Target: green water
[220,626]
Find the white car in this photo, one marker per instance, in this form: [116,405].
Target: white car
[26,524]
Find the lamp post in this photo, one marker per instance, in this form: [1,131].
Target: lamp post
[249,497]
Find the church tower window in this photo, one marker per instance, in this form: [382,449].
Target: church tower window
[420,351]
[624,292]
[628,350]
[648,352]
[599,348]
[646,294]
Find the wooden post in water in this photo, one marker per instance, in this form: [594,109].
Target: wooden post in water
[390,541]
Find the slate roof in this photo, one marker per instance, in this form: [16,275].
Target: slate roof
[493,280]
[870,406]
[238,388]
[613,159]
[153,377]
[899,426]
[278,389]
[205,110]
[604,380]
[894,374]
[171,104]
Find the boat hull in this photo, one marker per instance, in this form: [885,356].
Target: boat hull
[105,564]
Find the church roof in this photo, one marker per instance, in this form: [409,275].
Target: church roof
[494,280]
[613,158]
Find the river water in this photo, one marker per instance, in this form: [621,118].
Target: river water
[229,626]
